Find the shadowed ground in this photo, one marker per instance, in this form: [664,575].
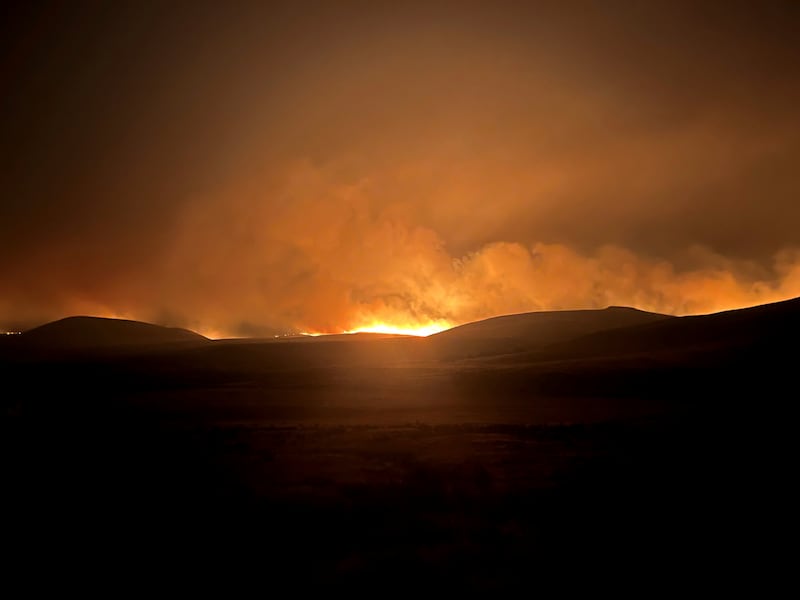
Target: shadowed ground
[354,464]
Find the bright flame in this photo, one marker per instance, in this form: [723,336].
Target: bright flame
[212,333]
[419,330]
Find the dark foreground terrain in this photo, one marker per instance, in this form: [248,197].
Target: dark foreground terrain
[531,449]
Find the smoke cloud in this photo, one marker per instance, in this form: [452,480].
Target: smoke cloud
[266,169]
[336,258]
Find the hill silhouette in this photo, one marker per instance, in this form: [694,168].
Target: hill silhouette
[97,332]
[703,362]
[769,325]
[535,330]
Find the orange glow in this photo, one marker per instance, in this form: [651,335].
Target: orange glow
[417,329]
[375,166]
[212,333]
[421,330]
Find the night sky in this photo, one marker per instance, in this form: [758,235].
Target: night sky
[250,168]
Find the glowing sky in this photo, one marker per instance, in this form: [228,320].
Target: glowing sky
[331,166]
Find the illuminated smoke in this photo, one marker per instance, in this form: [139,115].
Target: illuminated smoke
[263,168]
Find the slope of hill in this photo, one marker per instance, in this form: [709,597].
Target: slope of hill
[534,331]
[97,332]
[704,361]
[767,325]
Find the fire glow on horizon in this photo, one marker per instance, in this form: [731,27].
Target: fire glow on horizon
[392,168]
[418,329]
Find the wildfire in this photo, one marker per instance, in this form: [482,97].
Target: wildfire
[421,330]
[417,329]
